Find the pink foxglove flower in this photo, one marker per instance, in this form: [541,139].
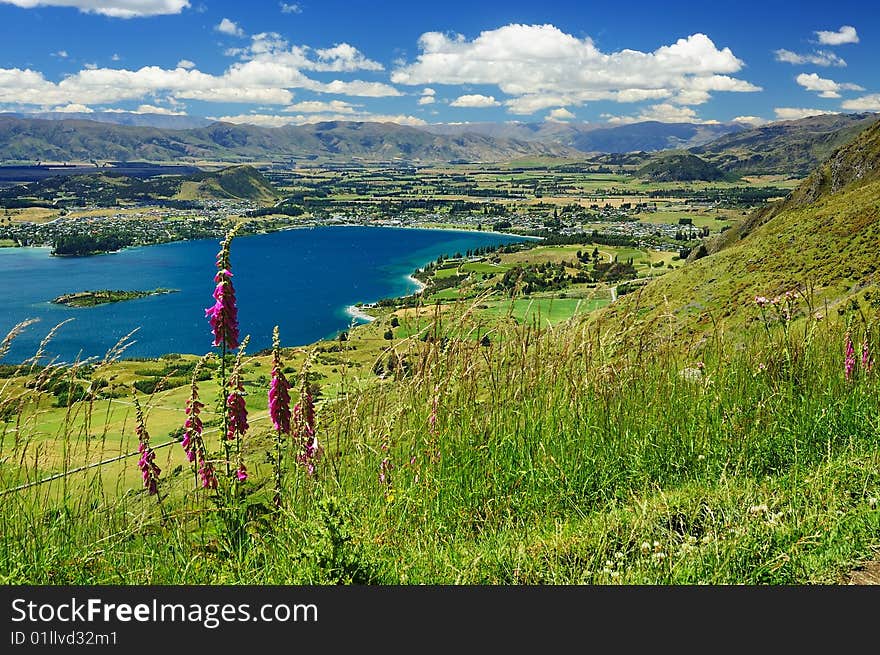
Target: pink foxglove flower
[146,463]
[237,423]
[849,360]
[193,444]
[304,421]
[223,314]
[279,400]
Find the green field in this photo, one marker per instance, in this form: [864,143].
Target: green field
[543,311]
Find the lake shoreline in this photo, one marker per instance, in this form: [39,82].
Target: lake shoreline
[376,265]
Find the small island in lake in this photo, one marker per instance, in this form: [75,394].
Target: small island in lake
[104,296]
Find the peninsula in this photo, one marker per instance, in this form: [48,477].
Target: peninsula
[105,296]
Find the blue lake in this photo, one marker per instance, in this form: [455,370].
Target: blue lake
[302,280]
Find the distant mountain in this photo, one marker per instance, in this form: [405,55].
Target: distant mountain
[786,147]
[591,137]
[680,167]
[108,186]
[75,140]
[164,121]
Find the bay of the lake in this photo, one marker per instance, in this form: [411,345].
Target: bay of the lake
[303,280]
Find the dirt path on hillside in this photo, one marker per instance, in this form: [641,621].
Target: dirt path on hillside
[867,575]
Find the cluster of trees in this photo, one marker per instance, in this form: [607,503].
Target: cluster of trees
[89,244]
[612,271]
[552,239]
[534,277]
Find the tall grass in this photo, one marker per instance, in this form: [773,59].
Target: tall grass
[565,455]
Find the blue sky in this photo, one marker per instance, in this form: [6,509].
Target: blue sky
[271,63]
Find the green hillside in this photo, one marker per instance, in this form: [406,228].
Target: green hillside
[680,167]
[239,182]
[821,241]
[106,188]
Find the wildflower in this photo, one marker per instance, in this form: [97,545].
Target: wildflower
[279,399]
[867,360]
[207,475]
[385,472]
[849,363]
[435,404]
[236,410]
[192,426]
[279,410]
[223,314]
[761,301]
[237,423]
[149,469]
[304,429]
[241,472]
[193,443]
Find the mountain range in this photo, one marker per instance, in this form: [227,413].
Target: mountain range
[786,147]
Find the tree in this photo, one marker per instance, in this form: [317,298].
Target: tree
[389,335]
[394,322]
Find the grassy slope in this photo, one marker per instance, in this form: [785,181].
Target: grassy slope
[548,464]
[241,182]
[824,235]
[679,167]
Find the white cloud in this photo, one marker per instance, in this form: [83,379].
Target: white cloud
[560,114]
[824,87]
[663,113]
[356,88]
[229,27]
[106,85]
[400,119]
[271,47]
[543,67]
[344,57]
[428,91]
[61,54]
[269,68]
[754,121]
[115,57]
[865,103]
[318,106]
[794,113]
[73,108]
[186,63]
[846,34]
[153,109]
[291,8]
[244,95]
[269,120]
[112,8]
[474,100]
[817,58]
[262,120]
[426,100]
